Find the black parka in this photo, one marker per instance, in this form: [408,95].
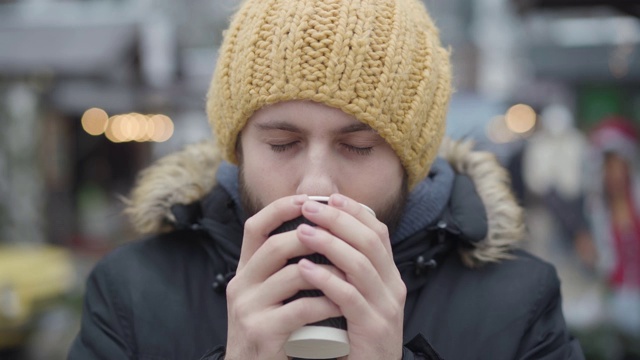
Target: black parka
[471,295]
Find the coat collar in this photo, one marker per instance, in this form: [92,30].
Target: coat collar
[188,176]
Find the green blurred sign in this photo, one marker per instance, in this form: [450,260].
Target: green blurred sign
[595,103]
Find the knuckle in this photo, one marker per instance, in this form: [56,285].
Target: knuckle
[360,264]
[371,242]
[327,276]
[282,204]
[402,291]
[334,271]
[335,215]
[243,308]
[399,298]
[382,230]
[399,290]
[392,312]
[351,296]
[291,275]
[250,226]
[297,312]
[233,289]
[275,248]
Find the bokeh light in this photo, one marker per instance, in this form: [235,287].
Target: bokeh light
[109,133]
[163,128]
[94,121]
[141,124]
[520,118]
[128,127]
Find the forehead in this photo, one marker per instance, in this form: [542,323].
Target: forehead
[305,115]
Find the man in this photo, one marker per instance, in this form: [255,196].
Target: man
[345,99]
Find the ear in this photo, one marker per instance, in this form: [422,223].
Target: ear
[238,148]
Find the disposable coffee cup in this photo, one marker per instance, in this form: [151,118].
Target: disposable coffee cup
[324,339]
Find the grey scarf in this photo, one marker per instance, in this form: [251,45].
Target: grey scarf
[425,203]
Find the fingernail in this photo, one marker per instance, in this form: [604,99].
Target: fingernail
[306,264]
[299,199]
[307,229]
[338,200]
[312,206]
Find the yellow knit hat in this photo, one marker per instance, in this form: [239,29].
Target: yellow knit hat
[378,60]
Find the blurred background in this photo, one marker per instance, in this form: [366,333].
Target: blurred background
[92,91]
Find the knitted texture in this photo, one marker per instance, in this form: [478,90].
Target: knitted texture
[380,61]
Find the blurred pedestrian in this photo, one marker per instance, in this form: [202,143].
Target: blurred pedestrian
[553,170]
[614,207]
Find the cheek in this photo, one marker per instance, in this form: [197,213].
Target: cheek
[265,177]
[378,183]
[388,170]
[389,185]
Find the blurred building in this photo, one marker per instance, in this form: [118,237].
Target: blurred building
[61,58]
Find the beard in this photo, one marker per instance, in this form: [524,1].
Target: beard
[390,214]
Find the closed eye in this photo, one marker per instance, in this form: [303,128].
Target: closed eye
[364,151]
[282,147]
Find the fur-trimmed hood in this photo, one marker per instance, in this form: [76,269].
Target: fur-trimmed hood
[189,175]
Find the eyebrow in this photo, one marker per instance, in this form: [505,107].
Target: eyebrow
[278,125]
[286,126]
[355,128]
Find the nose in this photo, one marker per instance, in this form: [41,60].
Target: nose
[318,174]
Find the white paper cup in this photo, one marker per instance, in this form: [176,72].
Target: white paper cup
[325,339]
[317,342]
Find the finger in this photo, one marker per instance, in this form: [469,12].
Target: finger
[272,256]
[367,321]
[358,269]
[351,302]
[258,227]
[365,215]
[355,233]
[286,283]
[303,311]
[246,298]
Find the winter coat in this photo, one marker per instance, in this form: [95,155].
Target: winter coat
[471,294]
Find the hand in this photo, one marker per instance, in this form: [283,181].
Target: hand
[258,322]
[371,294]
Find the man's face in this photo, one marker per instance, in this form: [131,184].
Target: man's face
[303,147]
